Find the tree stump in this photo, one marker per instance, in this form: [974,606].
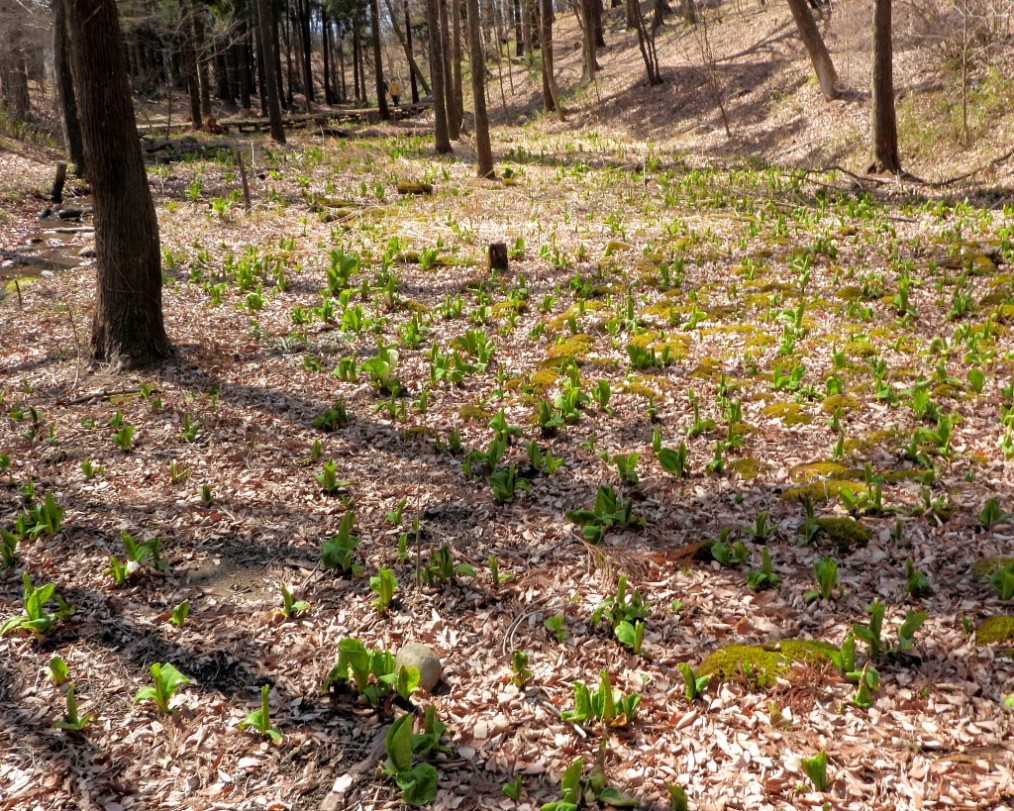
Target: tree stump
[498,256]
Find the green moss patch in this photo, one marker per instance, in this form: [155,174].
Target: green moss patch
[842,401]
[788,413]
[814,471]
[760,666]
[823,491]
[748,467]
[987,567]
[993,630]
[846,534]
[576,347]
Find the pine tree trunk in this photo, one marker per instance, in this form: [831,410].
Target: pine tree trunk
[127,328]
[814,43]
[483,149]
[885,125]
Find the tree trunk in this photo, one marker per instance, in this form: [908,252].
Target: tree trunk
[203,63]
[550,95]
[405,38]
[456,57]
[127,328]
[450,97]
[589,65]
[632,9]
[243,65]
[416,76]
[303,15]
[441,130]
[814,43]
[325,27]
[519,33]
[595,7]
[269,70]
[66,101]
[885,125]
[190,63]
[378,62]
[483,150]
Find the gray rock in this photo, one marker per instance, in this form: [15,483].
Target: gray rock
[425,660]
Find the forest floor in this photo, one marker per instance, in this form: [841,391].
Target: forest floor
[717,380]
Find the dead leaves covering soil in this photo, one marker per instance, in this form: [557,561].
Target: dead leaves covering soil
[937,734]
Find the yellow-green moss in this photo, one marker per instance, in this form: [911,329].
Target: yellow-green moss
[575,347]
[474,412]
[788,413]
[760,340]
[615,246]
[860,349]
[414,306]
[640,388]
[995,629]
[987,567]
[759,667]
[851,292]
[946,390]
[843,401]
[543,379]
[823,491]
[846,534]
[1004,314]
[748,467]
[814,471]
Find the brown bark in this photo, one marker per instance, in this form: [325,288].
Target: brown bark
[885,124]
[441,131]
[269,67]
[66,101]
[378,62]
[450,97]
[483,149]
[406,44]
[127,328]
[190,63]
[814,43]
[551,96]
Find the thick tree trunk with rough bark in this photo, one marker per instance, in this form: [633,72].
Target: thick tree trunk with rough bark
[127,328]
[885,124]
[66,101]
[483,149]
[441,130]
[814,43]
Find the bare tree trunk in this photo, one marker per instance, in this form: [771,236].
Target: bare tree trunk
[269,71]
[587,23]
[190,63]
[519,32]
[441,129]
[203,62]
[325,27]
[306,48]
[456,57]
[406,44]
[595,6]
[127,328]
[415,75]
[885,125]
[814,42]
[378,62]
[483,149]
[453,111]
[66,100]
[550,96]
